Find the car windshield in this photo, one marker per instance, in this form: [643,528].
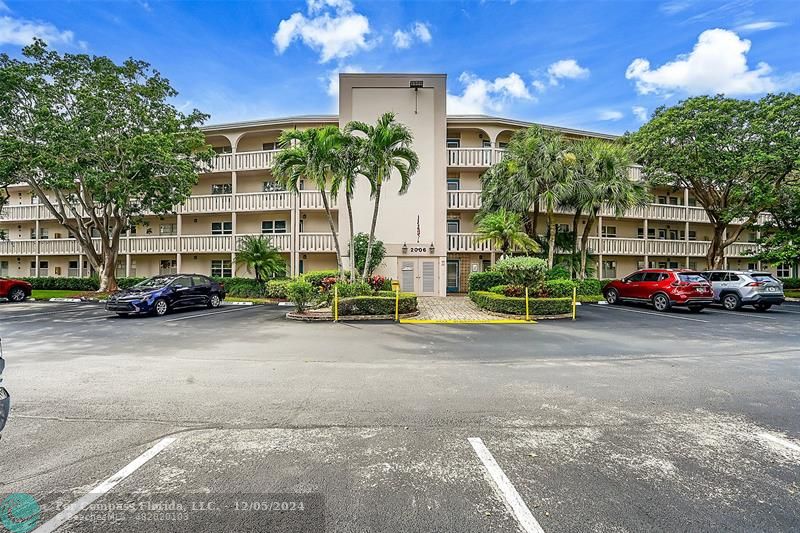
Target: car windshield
[763,277]
[153,283]
[691,277]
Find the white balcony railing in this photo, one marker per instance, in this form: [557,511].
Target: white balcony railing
[466,242]
[257,160]
[467,200]
[313,200]
[211,203]
[474,157]
[315,242]
[264,201]
[150,245]
[281,241]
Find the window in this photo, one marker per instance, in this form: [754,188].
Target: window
[221,228]
[301,225]
[610,269]
[692,201]
[301,267]
[652,276]
[453,143]
[182,281]
[692,265]
[651,233]
[273,226]
[34,199]
[662,199]
[221,188]
[3,235]
[3,268]
[609,231]
[716,276]
[688,277]
[662,234]
[221,268]
[636,276]
[133,231]
[301,185]
[752,266]
[200,281]
[453,184]
[487,265]
[167,267]
[270,146]
[673,200]
[502,145]
[272,186]
[168,229]
[222,149]
[731,277]
[453,226]
[486,144]
[692,235]
[563,228]
[673,235]
[784,270]
[752,237]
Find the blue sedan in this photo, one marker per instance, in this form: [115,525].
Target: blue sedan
[161,294]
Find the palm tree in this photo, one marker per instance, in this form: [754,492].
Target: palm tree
[504,230]
[311,153]
[604,168]
[387,148]
[345,173]
[258,255]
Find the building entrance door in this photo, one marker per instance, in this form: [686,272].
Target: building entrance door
[453,284]
[418,275]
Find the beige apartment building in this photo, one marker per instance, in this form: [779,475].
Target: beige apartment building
[428,232]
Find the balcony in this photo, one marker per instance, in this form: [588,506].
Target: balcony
[256,160]
[315,242]
[466,242]
[313,200]
[211,203]
[264,201]
[474,157]
[464,200]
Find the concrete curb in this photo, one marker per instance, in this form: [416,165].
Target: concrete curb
[237,303]
[352,318]
[67,300]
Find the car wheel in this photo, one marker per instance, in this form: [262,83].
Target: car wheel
[731,302]
[763,307]
[16,295]
[612,296]
[214,301]
[696,308]
[160,307]
[661,302]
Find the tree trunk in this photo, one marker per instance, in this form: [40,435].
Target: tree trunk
[333,232]
[108,273]
[372,228]
[585,244]
[575,220]
[716,251]
[551,245]
[352,235]
[530,224]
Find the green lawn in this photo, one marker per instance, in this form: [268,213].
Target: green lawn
[47,294]
[792,293]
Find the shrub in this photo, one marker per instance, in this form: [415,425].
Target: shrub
[358,288]
[327,283]
[558,288]
[378,283]
[315,278]
[558,272]
[589,286]
[377,305]
[242,287]
[77,284]
[126,283]
[522,270]
[516,306]
[498,289]
[791,283]
[482,281]
[516,291]
[360,242]
[301,293]
[276,288]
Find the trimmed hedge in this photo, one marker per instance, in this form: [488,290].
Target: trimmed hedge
[377,305]
[589,286]
[516,306]
[483,281]
[791,283]
[76,284]
[276,288]
[315,278]
[558,288]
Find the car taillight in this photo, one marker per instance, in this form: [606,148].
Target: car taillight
[755,284]
[680,283]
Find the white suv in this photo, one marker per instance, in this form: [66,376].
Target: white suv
[733,289]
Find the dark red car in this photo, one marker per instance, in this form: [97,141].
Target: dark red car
[663,288]
[14,290]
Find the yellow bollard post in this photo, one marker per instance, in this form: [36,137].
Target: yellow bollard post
[574,301]
[527,306]
[335,303]
[397,304]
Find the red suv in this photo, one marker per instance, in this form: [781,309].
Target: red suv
[663,288]
[15,290]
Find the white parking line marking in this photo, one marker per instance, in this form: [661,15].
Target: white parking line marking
[786,443]
[743,315]
[87,499]
[208,314]
[71,309]
[511,498]
[664,315]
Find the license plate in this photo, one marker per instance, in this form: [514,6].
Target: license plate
[700,289]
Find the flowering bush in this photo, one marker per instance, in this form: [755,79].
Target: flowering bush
[376,282]
[327,283]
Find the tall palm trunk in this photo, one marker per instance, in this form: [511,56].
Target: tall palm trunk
[348,202]
[574,241]
[585,242]
[378,187]
[551,244]
[333,232]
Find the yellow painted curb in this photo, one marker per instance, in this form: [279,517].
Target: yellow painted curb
[502,321]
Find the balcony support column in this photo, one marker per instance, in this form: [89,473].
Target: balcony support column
[646,245]
[127,265]
[686,233]
[80,265]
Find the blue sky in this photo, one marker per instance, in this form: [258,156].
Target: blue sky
[599,65]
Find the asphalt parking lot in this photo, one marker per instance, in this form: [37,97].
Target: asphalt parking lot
[625,420]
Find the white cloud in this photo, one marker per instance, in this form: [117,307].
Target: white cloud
[609,114]
[566,69]
[717,64]
[21,32]
[762,25]
[538,85]
[640,113]
[481,96]
[332,28]
[418,30]
[674,7]
[4,8]
[332,80]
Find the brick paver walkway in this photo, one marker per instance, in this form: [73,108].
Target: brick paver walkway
[450,308]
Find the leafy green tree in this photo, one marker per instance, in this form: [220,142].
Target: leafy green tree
[99,143]
[504,230]
[360,243]
[312,154]
[602,181]
[734,155]
[260,257]
[780,239]
[387,149]
[345,174]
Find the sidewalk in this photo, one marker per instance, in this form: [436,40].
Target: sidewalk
[453,309]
